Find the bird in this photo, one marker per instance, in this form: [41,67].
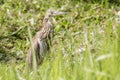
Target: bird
[41,41]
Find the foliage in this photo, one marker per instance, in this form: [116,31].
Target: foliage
[85,45]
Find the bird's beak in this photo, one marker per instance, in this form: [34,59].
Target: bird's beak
[59,13]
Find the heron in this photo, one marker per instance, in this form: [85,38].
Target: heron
[42,40]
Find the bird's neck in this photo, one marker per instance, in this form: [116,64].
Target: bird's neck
[46,22]
[46,29]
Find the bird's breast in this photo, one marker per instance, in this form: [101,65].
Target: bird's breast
[43,47]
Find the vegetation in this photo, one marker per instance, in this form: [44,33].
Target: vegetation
[85,45]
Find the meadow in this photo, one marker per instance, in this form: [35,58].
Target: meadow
[86,43]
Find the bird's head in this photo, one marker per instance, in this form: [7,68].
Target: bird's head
[52,12]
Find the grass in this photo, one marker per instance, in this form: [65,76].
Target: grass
[85,45]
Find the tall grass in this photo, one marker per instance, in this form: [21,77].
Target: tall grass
[88,26]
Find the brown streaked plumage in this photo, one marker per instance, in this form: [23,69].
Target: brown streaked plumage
[42,39]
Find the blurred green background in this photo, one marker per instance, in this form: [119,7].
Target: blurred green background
[85,45]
